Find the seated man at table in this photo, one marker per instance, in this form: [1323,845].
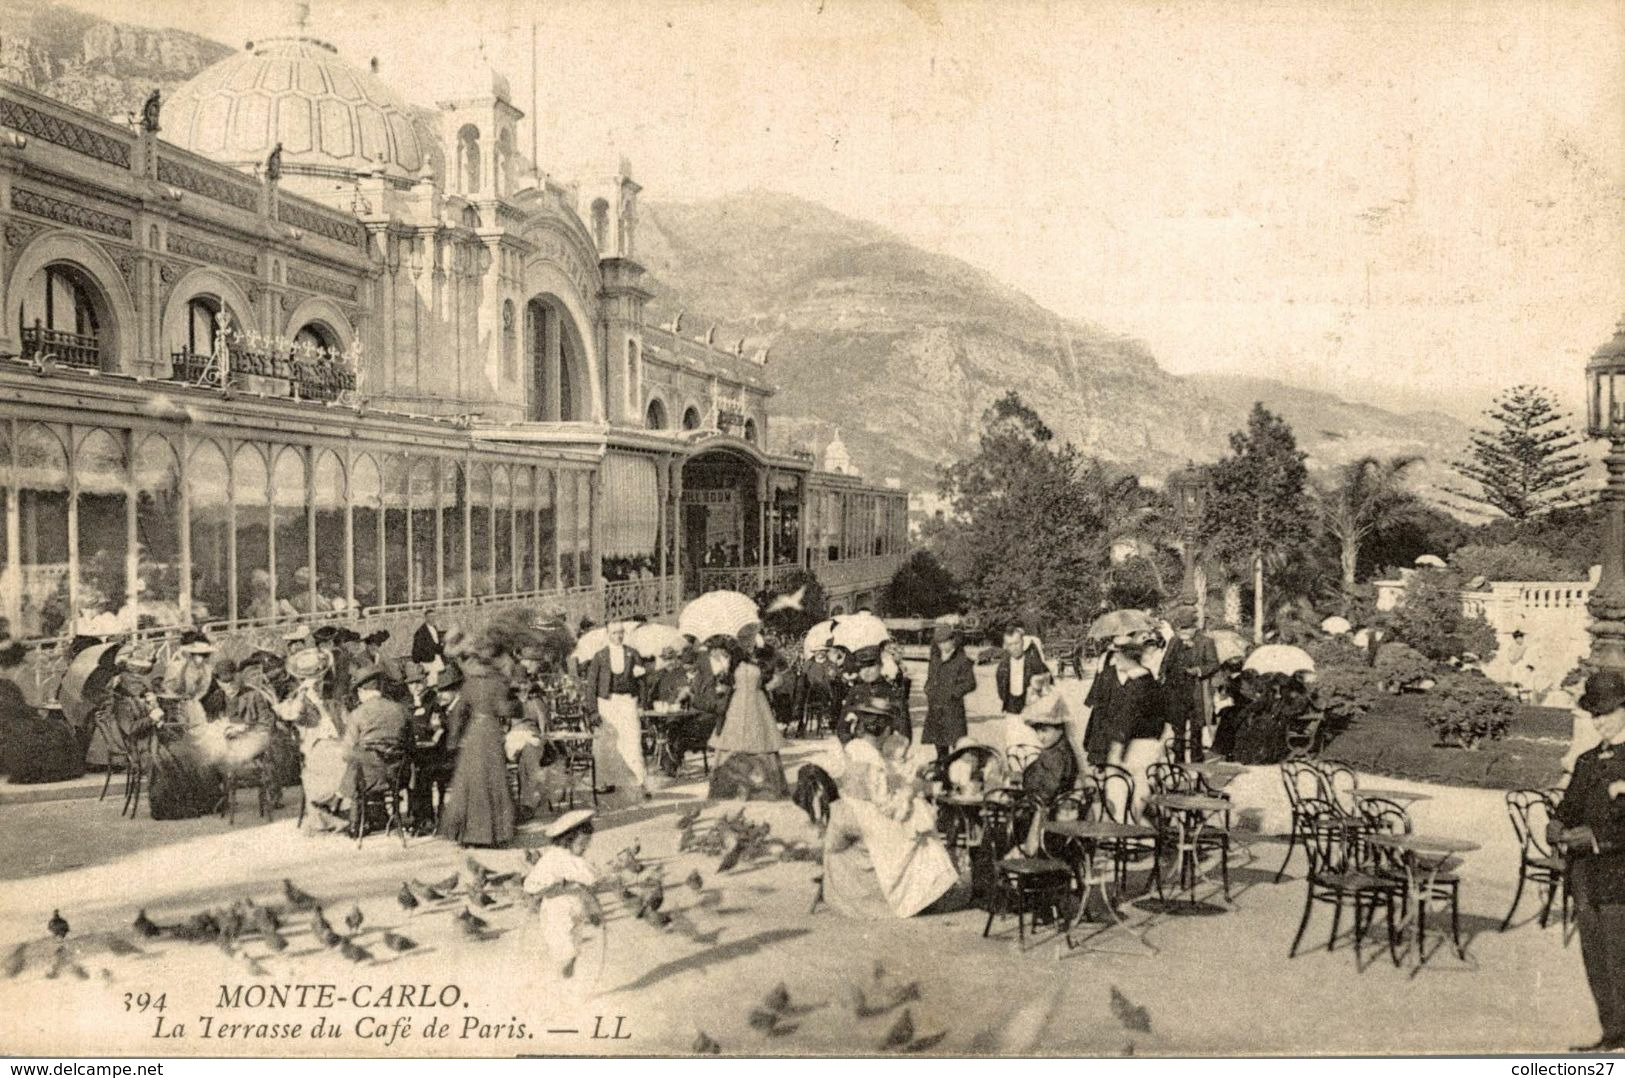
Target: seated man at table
[1054,770]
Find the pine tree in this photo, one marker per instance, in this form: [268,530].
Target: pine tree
[1526,461]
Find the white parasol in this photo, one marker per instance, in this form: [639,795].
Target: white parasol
[1279,659]
[717,613]
[1121,623]
[1336,626]
[651,638]
[1228,644]
[860,631]
[818,637]
[591,643]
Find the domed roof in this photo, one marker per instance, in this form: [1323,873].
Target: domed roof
[298,92]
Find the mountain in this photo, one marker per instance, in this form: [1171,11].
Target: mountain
[103,67]
[902,349]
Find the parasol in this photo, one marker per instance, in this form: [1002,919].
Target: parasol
[818,637]
[1121,623]
[717,613]
[85,681]
[591,643]
[1336,626]
[1431,561]
[651,638]
[1229,644]
[860,631]
[1279,659]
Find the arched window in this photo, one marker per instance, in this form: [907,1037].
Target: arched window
[200,325]
[328,501]
[157,530]
[655,419]
[291,500]
[208,495]
[58,317]
[691,418]
[600,225]
[558,389]
[750,430]
[367,502]
[99,470]
[314,335]
[42,507]
[468,159]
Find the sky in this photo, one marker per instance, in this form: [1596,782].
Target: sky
[1413,202]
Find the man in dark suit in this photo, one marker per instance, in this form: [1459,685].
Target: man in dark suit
[1188,667]
[1017,668]
[1589,825]
[427,646]
[949,679]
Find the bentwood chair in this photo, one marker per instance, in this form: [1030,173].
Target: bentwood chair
[1384,817]
[1538,863]
[386,792]
[1302,783]
[1335,880]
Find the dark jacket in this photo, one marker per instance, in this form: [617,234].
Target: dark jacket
[600,676]
[428,645]
[1598,876]
[946,686]
[1186,694]
[454,720]
[1051,774]
[1121,711]
[1032,666]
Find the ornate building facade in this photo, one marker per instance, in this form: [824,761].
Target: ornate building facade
[291,347]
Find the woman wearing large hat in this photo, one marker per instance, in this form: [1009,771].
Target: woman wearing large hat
[477,809]
[882,853]
[748,742]
[319,719]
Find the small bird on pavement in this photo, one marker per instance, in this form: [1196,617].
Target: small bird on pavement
[407,900]
[353,919]
[58,925]
[778,1000]
[705,1046]
[354,952]
[472,920]
[298,899]
[319,922]
[16,960]
[447,884]
[901,1032]
[397,942]
[143,926]
[687,819]
[482,899]
[532,856]
[695,881]
[266,919]
[324,932]
[273,939]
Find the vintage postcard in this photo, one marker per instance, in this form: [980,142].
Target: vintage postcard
[811,528]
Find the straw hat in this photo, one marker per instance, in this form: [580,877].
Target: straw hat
[308,663]
[568,822]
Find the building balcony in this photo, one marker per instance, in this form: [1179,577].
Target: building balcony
[70,349]
[276,376]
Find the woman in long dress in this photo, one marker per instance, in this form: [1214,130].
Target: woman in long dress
[749,742]
[319,720]
[882,837]
[477,809]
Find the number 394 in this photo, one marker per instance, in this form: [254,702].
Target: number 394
[144,1001]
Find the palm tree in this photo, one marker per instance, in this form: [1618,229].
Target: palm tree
[1366,496]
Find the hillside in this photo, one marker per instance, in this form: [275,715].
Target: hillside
[902,349]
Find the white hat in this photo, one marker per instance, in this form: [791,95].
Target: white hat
[568,822]
[298,632]
[200,647]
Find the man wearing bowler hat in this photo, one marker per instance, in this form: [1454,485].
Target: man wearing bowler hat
[1589,825]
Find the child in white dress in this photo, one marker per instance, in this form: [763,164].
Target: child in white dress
[564,880]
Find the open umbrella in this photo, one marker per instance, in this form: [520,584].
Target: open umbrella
[1279,659]
[818,637]
[860,631]
[1336,626]
[1121,623]
[1229,644]
[717,613]
[651,638]
[591,643]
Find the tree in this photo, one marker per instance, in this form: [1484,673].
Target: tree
[792,623]
[1515,560]
[1526,462]
[1257,509]
[1029,520]
[1430,619]
[1365,496]
[921,588]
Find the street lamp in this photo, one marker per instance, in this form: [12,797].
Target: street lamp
[1605,418]
[1189,488]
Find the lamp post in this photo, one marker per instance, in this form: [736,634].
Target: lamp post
[1605,418]
[1189,488]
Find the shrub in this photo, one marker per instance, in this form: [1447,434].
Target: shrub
[1400,666]
[1430,619]
[1516,560]
[1345,686]
[1466,708]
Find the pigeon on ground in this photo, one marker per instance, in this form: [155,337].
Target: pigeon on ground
[298,899]
[431,893]
[705,1046]
[695,881]
[1136,1019]
[353,919]
[408,901]
[273,939]
[16,960]
[120,946]
[778,1000]
[532,856]
[143,926]
[397,942]
[762,1020]
[470,919]
[901,1032]
[687,819]
[476,871]
[324,932]
[354,952]
[447,884]
[266,919]
[57,925]
[252,964]
[482,899]
[318,923]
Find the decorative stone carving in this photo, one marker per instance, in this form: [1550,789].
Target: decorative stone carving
[18,233]
[62,132]
[202,183]
[212,253]
[70,214]
[316,282]
[129,268]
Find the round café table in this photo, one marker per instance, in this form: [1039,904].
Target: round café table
[1398,797]
[1215,774]
[1191,814]
[1086,837]
[659,724]
[1423,858]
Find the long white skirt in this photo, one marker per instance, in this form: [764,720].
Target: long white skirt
[618,745]
[869,855]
